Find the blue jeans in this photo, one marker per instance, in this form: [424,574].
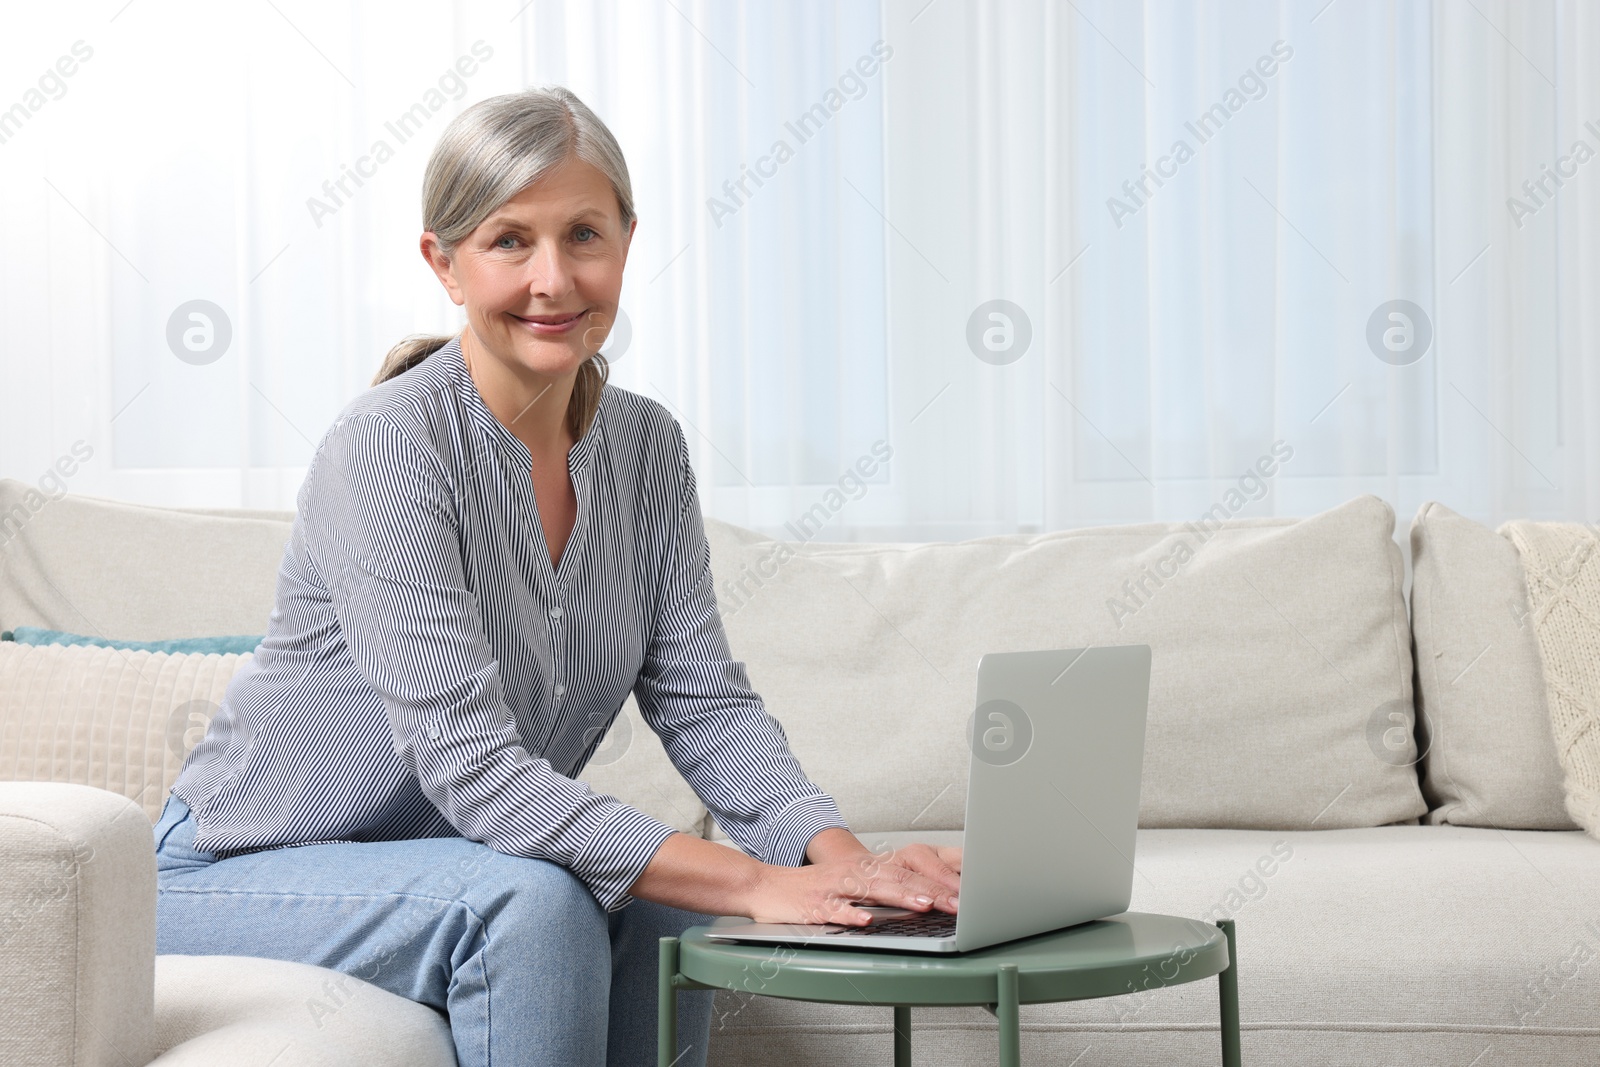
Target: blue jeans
[446,922]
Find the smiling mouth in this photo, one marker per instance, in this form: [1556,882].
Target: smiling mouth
[548,320]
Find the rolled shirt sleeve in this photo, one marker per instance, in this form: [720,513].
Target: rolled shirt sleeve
[383,533]
[714,726]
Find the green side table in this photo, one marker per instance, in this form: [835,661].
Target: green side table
[1125,953]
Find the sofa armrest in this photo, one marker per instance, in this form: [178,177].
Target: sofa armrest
[77,927]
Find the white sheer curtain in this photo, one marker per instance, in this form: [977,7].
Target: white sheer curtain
[1180,333]
[832,198]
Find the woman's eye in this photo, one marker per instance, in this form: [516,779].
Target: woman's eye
[579,233]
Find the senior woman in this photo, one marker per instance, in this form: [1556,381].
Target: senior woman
[492,548]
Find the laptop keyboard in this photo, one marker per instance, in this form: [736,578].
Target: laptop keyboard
[922,924]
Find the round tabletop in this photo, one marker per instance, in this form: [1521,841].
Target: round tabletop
[1125,953]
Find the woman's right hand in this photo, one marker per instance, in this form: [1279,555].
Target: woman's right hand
[715,879]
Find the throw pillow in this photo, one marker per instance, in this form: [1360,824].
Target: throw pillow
[1489,758]
[1280,686]
[1562,563]
[35,635]
[125,720]
[108,717]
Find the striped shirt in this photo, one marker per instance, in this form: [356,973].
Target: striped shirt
[426,672]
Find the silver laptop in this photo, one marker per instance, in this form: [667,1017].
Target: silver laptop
[1057,751]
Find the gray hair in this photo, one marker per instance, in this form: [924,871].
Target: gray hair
[488,154]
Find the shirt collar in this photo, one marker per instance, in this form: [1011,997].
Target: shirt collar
[455,364]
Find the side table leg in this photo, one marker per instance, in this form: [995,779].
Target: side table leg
[1228,996]
[666,1003]
[1008,1016]
[902,1036]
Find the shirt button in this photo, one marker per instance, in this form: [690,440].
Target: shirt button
[433,732]
[555,611]
[561,690]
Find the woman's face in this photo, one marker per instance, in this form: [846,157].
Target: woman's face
[553,252]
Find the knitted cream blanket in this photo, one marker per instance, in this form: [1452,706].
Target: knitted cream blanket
[1561,562]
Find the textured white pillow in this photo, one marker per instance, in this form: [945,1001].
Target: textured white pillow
[1562,564]
[124,721]
[107,717]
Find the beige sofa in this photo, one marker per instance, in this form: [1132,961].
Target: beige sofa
[1426,903]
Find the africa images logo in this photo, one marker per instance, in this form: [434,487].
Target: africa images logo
[1252,85]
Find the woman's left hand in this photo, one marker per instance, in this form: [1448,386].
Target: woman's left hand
[942,863]
[938,863]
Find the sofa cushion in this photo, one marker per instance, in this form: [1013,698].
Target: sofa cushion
[1422,945]
[1280,651]
[125,720]
[1490,756]
[631,765]
[128,571]
[241,1010]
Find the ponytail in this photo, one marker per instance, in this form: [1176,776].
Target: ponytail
[408,353]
